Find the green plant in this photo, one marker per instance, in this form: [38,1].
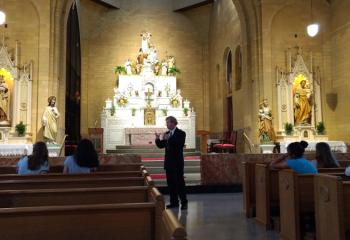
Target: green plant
[288,128]
[133,112]
[321,128]
[185,110]
[20,129]
[173,71]
[120,70]
[112,110]
[165,111]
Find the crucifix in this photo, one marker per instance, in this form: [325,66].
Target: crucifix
[148,97]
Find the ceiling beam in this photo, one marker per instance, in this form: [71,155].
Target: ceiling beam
[109,3]
[183,5]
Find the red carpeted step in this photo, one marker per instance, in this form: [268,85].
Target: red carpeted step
[188,158]
[158,176]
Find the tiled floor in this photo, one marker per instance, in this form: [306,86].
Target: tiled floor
[219,217]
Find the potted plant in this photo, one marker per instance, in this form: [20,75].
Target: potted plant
[165,112]
[120,70]
[20,129]
[133,112]
[112,110]
[173,71]
[185,110]
[288,128]
[320,128]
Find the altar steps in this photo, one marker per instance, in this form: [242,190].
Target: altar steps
[153,160]
[155,166]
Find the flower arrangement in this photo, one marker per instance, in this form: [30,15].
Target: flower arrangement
[122,101]
[174,101]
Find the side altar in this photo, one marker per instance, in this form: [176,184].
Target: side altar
[145,95]
[299,105]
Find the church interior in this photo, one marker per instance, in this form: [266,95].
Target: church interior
[244,79]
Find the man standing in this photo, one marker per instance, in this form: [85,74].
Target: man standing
[173,141]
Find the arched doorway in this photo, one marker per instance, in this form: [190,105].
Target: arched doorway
[73,79]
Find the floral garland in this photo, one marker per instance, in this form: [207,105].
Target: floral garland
[122,101]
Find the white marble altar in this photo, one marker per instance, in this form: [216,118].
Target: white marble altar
[141,102]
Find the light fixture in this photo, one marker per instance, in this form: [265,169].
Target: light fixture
[313,28]
[2,17]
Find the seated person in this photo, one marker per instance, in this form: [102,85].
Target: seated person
[295,159]
[84,160]
[36,163]
[324,156]
[347,171]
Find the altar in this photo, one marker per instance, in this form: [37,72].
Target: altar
[146,93]
[142,136]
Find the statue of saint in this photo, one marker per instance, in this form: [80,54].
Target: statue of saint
[164,68]
[49,121]
[4,100]
[302,104]
[145,42]
[128,67]
[266,131]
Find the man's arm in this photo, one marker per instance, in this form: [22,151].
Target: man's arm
[160,143]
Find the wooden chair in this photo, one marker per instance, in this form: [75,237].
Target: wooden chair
[227,145]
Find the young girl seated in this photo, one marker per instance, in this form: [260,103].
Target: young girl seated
[347,171]
[295,159]
[36,163]
[324,156]
[84,159]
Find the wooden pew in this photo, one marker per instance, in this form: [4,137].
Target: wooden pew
[74,176]
[59,168]
[137,221]
[72,196]
[267,195]
[248,182]
[75,183]
[296,200]
[332,209]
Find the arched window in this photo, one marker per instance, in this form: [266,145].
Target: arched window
[238,68]
[229,71]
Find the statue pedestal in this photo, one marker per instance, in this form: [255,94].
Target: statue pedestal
[267,148]
[54,150]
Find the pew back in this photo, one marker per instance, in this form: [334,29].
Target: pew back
[332,196]
[267,194]
[74,183]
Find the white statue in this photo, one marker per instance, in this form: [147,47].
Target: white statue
[145,41]
[164,69]
[153,56]
[171,62]
[128,67]
[178,96]
[49,121]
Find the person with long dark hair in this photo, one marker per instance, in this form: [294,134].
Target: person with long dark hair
[36,163]
[324,156]
[84,160]
[295,159]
